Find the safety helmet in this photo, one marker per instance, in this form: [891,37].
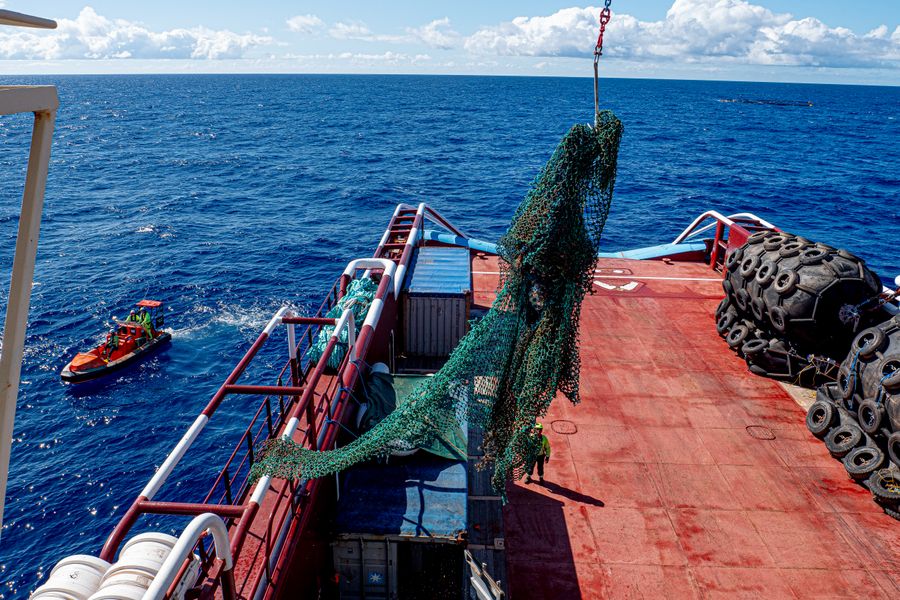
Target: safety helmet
[538,426]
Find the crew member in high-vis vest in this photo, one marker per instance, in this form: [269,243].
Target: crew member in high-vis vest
[540,454]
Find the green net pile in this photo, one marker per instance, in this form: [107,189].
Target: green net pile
[506,371]
[358,298]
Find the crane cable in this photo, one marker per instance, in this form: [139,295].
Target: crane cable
[605,15]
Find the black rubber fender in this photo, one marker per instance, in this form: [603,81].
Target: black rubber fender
[726,321]
[779,319]
[846,382]
[733,261]
[868,342]
[791,249]
[890,373]
[813,256]
[748,265]
[766,272]
[775,242]
[737,335]
[842,439]
[758,308]
[786,282]
[820,418]
[760,236]
[723,306]
[742,298]
[885,486]
[870,416]
[893,447]
[861,462]
[752,348]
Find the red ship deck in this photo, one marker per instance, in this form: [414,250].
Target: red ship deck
[686,476]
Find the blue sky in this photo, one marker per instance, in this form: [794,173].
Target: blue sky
[771,40]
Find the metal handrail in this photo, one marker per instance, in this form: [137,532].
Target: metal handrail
[171,568]
[692,230]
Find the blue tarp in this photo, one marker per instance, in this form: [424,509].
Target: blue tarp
[415,496]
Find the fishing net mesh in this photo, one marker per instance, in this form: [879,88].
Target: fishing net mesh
[505,372]
[358,298]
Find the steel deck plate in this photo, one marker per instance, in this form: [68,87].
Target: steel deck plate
[669,487]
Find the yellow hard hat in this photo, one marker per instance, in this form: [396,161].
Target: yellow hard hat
[538,426]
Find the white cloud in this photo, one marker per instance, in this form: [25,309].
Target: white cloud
[305,24]
[94,36]
[437,34]
[734,31]
[359,31]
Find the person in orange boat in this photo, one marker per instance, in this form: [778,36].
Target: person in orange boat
[112,343]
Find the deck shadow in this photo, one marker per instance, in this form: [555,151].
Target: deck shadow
[540,562]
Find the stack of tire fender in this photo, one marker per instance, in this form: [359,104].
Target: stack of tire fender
[787,298]
[858,417]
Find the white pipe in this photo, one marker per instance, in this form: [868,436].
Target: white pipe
[346,320]
[21,281]
[370,263]
[374,313]
[292,341]
[167,573]
[159,478]
[275,321]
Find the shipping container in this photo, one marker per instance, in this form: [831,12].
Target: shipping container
[436,301]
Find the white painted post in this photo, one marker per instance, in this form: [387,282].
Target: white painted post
[21,282]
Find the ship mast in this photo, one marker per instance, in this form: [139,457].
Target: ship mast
[43,102]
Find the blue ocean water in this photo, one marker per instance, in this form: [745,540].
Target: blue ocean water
[230,196]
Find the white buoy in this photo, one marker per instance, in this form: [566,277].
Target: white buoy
[73,578]
[139,561]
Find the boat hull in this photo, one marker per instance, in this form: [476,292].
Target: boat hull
[70,376]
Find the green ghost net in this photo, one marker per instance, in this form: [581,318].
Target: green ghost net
[506,371]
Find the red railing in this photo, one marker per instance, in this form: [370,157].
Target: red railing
[730,232]
[307,394]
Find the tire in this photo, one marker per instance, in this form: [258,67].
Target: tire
[733,261]
[842,439]
[885,486]
[893,447]
[791,249]
[779,319]
[846,382]
[725,322]
[820,418]
[870,416]
[758,308]
[775,242]
[722,308]
[829,393]
[766,273]
[813,256]
[737,335]
[748,266]
[728,287]
[754,347]
[863,461]
[890,381]
[786,282]
[742,298]
[868,342]
[760,236]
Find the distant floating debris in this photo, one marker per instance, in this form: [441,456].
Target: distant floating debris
[769,102]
